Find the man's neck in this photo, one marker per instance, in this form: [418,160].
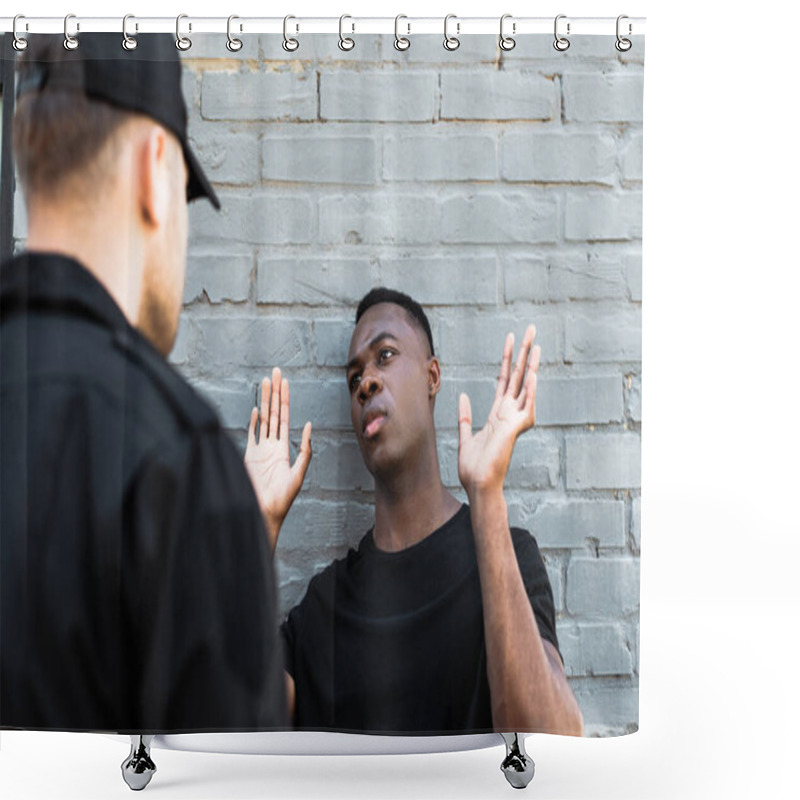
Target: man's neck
[410,506]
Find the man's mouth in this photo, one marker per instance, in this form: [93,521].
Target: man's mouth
[373,422]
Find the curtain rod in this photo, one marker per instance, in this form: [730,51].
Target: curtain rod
[407,26]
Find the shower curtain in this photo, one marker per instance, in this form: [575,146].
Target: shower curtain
[498,188]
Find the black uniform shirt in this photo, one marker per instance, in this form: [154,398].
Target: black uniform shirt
[137,589]
[394,642]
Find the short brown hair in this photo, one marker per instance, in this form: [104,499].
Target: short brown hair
[59,134]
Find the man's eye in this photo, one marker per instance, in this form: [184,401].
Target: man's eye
[353,382]
[385,353]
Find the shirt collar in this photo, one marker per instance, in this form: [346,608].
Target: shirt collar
[35,280]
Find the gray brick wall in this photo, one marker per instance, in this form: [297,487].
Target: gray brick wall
[498,188]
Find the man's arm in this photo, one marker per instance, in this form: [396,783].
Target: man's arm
[527,682]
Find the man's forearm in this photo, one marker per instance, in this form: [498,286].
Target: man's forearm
[529,692]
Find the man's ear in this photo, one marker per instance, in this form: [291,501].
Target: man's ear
[434,376]
[154,176]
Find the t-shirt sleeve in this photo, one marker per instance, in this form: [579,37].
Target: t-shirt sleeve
[201,596]
[537,584]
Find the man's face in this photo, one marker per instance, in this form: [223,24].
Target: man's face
[389,380]
[165,269]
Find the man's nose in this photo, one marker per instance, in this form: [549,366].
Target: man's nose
[370,384]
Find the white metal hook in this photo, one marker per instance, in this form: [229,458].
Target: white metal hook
[507,42]
[345,42]
[451,42]
[182,42]
[128,42]
[561,43]
[401,42]
[289,44]
[70,42]
[20,43]
[233,44]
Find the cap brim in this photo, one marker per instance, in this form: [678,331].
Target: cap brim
[199,185]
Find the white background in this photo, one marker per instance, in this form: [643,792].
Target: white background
[720,601]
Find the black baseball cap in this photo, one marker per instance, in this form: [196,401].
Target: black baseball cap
[146,80]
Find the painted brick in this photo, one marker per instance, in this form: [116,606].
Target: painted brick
[254,218]
[601,216]
[324,402]
[578,401]
[525,279]
[314,524]
[633,269]
[610,97]
[605,336]
[222,276]
[340,467]
[535,462]
[604,461]
[636,522]
[586,276]
[332,340]
[633,402]
[574,523]
[499,218]
[233,402]
[608,710]
[595,649]
[183,349]
[631,157]
[206,46]
[518,94]
[319,158]
[253,342]
[602,587]
[455,279]
[377,218]
[478,338]
[481,396]
[260,95]
[380,96]
[227,155]
[447,155]
[559,157]
[322,281]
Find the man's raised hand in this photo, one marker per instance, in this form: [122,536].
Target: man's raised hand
[276,481]
[483,458]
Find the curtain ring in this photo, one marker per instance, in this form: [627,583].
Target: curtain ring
[451,42]
[182,42]
[128,42]
[290,45]
[70,42]
[401,42]
[507,42]
[623,45]
[20,43]
[561,43]
[233,44]
[345,42]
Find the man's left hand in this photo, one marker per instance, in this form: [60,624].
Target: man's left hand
[483,458]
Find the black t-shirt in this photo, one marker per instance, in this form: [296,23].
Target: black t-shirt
[136,583]
[394,642]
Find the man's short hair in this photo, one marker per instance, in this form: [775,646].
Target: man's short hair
[381,294]
[58,134]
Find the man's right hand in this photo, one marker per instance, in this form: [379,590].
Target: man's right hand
[275,480]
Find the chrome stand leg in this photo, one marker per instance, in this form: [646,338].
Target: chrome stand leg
[138,768]
[518,766]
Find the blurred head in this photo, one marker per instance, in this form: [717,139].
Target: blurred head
[393,377]
[100,142]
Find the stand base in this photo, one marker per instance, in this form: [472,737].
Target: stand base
[517,766]
[138,768]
